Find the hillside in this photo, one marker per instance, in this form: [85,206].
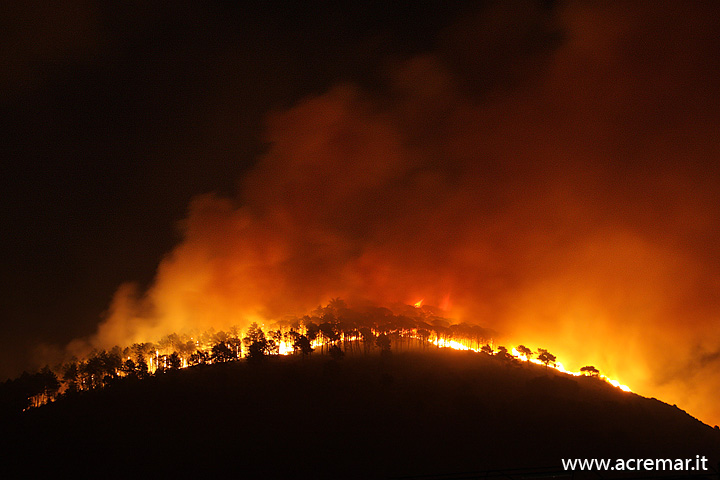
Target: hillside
[434,412]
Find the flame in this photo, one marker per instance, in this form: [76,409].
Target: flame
[535,228]
[282,339]
[463,345]
[419,303]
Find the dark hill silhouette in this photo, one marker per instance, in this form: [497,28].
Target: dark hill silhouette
[377,416]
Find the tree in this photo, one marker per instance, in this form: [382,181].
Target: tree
[92,371]
[274,342]
[312,330]
[142,370]
[174,361]
[110,363]
[129,368]
[546,357]
[236,345]
[503,355]
[29,390]
[257,347]
[254,334]
[525,351]
[336,352]
[50,383]
[198,358]
[222,353]
[383,342]
[590,370]
[186,349]
[257,350]
[336,305]
[368,338]
[329,332]
[302,344]
[70,377]
[487,349]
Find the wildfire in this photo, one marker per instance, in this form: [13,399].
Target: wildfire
[419,303]
[283,344]
[327,330]
[459,345]
[462,345]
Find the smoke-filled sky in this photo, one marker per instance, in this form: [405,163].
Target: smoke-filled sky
[548,170]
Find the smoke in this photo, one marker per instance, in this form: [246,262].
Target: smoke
[550,174]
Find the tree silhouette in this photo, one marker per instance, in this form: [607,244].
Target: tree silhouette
[273,343]
[336,352]
[302,344]
[222,353]
[142,370]
[50,383]
[487,349]
[256,344]
[92,371]
[546,357]
[28,389]
[236,345]
[198,358]
[329,331]
[523,350]
[336,305]
[129,368]
[312,329]
[186,349]
[257,350]
[368,338]
[383,342]
[70,377]
[590,370]
[503,355]
[174,361]
[254,334]
[110,363]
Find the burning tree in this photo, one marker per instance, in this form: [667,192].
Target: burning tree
[71,376]
[546,357]
[257,345]
[142,369]
[174,361]
[335,328]
[129,369]
[222,353]
[303,345]
[590,371]
[525,351]
[503,355]
[200,357]
[383,342]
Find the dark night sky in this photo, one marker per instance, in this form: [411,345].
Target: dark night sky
[116,115]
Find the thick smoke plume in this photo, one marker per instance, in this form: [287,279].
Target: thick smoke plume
[552,175]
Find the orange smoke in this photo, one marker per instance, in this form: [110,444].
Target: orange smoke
[569,203]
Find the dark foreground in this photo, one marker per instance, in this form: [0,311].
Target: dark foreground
[425,413]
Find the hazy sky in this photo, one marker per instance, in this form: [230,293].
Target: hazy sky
[547,170]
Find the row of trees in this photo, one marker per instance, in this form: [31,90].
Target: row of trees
[334,330]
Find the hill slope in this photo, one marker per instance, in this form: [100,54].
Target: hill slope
[361,417]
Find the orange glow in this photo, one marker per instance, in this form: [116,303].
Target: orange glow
[509,212]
